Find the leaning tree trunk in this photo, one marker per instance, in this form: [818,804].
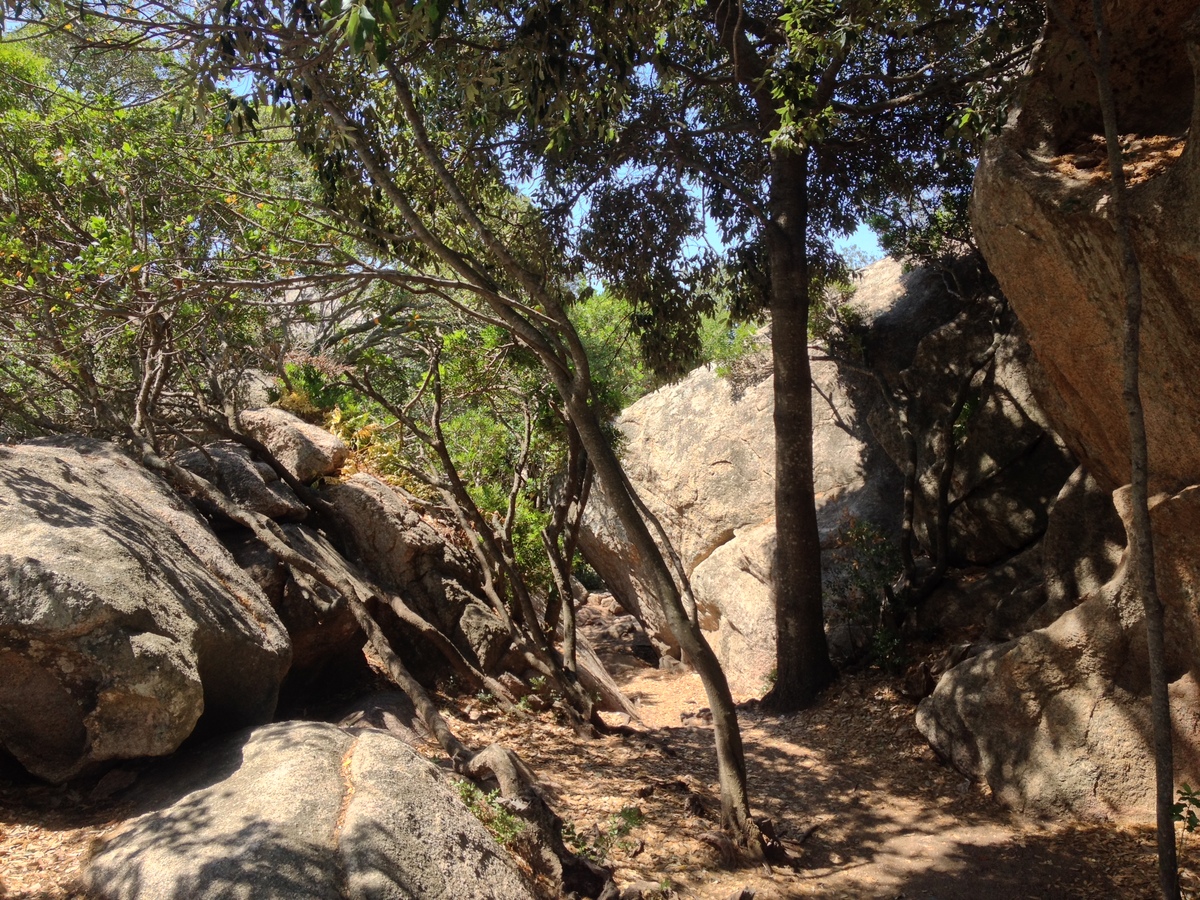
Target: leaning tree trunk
[548,332]
[803,667]
[731,762]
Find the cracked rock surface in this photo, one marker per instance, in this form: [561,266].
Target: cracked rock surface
[123,620]
[304,809]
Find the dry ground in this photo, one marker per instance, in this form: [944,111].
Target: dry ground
[890,820]
[887,819]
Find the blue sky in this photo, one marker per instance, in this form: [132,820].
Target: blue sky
[863,241]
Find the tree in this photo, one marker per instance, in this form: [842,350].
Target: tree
[490,440]
[125,287]
[791,121]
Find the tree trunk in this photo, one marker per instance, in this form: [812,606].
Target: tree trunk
[803,667]
[1141,538]
[731,761]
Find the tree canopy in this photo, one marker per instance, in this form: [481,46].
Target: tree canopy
[789,122]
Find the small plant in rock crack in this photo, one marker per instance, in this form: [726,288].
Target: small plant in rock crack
[488,809]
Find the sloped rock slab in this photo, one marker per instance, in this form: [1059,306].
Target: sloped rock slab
[306,809]
[1058,721]
[122,618]
[251,483]
[398,548]
[305,450]
[1045,226]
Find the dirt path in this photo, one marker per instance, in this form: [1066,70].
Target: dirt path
[890,820]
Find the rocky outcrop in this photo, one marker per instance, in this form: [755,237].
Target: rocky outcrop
[1042,219]
[406,553]
[305,810]
[390,711]
[123,620]
[1057,720]
[701,454]
[1082,548]
[1078,554]
[305,450]
[251,483]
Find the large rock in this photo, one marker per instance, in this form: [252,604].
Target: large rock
[701,454]
[924,341]
[1077,555]
[404,552]
[306,810]
[1008,465]
[1058,721]
[733,591]
[305,450]
[1042,218]
[253,484]
[122,618]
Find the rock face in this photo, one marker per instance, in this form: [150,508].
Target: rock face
[1008,465]
[251,483]
[317,638]
[1082,549]
[122,618]
[306,451]
[701,454]
[1057,720]
[1043,224]
[306,810]
[405,553]
[1079,553]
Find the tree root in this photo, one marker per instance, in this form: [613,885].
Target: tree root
[544,849]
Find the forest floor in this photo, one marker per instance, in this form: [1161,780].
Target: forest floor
[880,816]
